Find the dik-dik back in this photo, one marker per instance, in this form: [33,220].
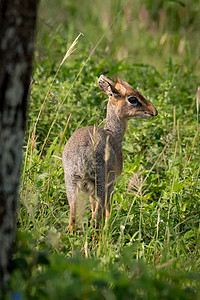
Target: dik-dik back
[92,157]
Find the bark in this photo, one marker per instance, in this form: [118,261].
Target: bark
[17,28]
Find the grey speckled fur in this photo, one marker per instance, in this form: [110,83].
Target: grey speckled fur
[92,157]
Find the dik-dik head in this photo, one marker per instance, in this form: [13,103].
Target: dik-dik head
[128,102]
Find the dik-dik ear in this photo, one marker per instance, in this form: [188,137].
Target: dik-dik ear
[107,86]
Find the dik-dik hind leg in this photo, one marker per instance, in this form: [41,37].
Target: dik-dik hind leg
[71,191]
[72,218]
[101,203]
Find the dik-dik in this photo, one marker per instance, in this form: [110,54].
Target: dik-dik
[92,157]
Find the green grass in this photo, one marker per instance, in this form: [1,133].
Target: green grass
[151,247]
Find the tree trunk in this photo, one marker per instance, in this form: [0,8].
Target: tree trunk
[17,28]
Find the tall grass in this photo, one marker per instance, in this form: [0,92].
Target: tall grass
[151,209]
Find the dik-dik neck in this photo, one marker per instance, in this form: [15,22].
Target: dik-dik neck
[114,124]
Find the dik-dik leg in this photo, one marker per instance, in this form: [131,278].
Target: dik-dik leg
[101,203]
[71,191]
[72,219]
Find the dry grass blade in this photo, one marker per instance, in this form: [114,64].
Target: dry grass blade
[135,183]
[198,99]
[71,49]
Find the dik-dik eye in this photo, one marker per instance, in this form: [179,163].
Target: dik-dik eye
[134,101]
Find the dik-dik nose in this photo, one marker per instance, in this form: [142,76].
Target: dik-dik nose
[153,111]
